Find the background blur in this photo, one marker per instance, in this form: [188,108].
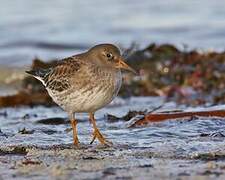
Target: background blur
[55,28]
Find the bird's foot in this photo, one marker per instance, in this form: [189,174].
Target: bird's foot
[99,136]
[76,141]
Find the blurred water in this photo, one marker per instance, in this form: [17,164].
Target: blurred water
[54,29]
[183,138]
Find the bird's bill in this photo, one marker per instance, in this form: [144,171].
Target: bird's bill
[122,65]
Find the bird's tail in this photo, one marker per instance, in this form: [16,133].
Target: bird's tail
[39,72]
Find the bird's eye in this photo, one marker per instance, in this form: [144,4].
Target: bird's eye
[109,55]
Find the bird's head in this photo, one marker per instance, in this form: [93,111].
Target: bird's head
[108,55]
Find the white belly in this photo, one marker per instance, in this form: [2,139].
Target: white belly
[91,101]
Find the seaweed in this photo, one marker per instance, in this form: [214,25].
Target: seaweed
[157,117]
[186,77]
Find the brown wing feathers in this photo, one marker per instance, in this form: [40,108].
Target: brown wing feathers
[57,78]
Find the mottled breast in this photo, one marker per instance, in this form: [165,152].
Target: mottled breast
[117,83]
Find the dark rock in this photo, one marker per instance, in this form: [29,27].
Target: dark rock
[25,131]
[109,172]
[208,172]
[17,150]
[53,121]
[146,166]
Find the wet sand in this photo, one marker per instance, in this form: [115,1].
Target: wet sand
[98,162]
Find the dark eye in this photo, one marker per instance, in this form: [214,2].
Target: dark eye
[109,55]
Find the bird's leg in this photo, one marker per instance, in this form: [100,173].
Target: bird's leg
[96,133]
[73,122]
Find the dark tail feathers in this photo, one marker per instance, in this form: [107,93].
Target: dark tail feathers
[32,72]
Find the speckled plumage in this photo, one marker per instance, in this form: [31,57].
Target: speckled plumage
[80,86]
[85,82]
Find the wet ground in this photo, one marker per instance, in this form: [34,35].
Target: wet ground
[36,143]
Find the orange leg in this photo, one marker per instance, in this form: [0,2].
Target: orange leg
[73,122]
[96,133]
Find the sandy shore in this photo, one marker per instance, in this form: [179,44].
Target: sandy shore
[98,162]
